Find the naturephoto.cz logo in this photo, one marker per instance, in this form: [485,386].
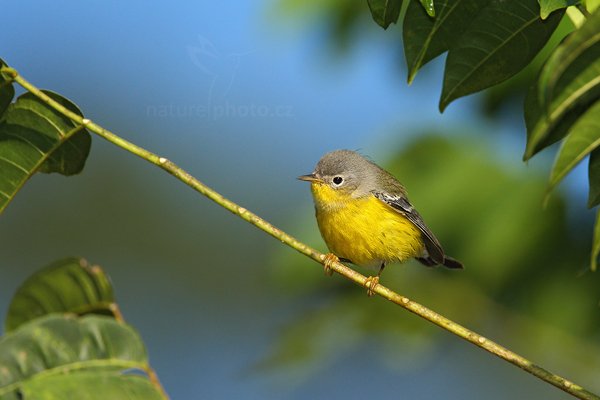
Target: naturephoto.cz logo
[219,71]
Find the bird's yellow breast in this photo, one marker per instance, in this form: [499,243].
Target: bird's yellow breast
[364,230]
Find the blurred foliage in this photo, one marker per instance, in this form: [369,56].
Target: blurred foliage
[519,285]
[341,20]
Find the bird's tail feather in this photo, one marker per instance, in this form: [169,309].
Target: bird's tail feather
[449,262]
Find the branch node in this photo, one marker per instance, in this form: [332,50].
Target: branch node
[9,71]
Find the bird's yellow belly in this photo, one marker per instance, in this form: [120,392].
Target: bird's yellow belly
[365,231]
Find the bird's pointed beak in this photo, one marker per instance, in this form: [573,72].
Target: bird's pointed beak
[310,178]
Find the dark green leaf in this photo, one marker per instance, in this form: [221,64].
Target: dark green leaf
[583,137]
[511,91]
[426,38]
[548,6]
[568,84]
[573,62]
[543,130]
[594,179]
[99,385]
[429,7]
[385,12]
[69,157]
[7,91]
[499,43]
[595,243]
[66,286]
[34,137]
[57,344]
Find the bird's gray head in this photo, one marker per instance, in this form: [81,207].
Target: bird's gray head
[346,170]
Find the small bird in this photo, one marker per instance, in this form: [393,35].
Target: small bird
[365,217]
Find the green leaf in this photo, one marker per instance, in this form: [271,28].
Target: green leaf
[511,91]
[583,137]
[34,137]
[591,5]
[429,7]
[568,84]
[595,243]
[7,91]
[573,62]
[543,130]
[98,385]
[66,286]
[499,43]
[385,12]
[549,6]
[63,344]
[594,179]
[426,38]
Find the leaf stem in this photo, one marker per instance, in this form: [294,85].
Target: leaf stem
[408,304]
[155,381]
[583,10]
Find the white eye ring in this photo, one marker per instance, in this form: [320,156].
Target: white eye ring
[337,180]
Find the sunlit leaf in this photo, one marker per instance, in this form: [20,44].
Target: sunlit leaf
[502,39]
[591,5]
[568,84]
[66,286]
[429,7]
[385,12]
[57,344]
[594,179]
[99,385]
[583,137]
[425,38]
[548,6]
[596,243]
[542,130]
[34,137]
[572,67]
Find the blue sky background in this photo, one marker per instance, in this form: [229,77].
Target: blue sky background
[245,99]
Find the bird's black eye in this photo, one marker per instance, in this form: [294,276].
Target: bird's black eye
[338,180]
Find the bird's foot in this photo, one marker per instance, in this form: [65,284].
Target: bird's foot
[329,259]
[370,284]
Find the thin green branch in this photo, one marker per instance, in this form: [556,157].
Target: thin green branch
[405,302]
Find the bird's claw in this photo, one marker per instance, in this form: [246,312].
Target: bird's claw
[328,261]
[370,284]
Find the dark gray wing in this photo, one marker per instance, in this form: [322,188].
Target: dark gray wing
[403,206]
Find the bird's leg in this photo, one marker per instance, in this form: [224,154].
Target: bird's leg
[329,259]
[373,281]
